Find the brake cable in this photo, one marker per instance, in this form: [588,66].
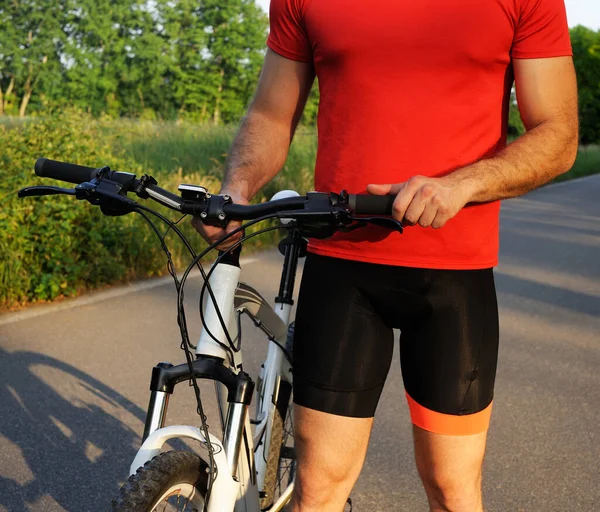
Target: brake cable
[179,284]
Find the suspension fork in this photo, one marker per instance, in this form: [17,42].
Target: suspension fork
[239,387]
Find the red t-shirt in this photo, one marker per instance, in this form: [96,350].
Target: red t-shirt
[414,87]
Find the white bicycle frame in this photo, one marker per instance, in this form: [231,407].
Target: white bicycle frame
[241,455]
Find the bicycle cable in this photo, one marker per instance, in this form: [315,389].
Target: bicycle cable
[225,253]
[200,256]
[179,285]
[200,268]
[212,467]
[204,286]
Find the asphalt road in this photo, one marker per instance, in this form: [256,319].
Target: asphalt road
[74,379]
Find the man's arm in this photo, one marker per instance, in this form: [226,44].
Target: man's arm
[262,142]
[261,145]
[547,95]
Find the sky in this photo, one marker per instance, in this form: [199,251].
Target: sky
[579,12]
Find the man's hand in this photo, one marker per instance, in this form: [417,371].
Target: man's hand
[261,145]
[425,201]
[213,233]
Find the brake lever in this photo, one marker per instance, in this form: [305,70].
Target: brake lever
[106,194]
[384,222]
[45,191]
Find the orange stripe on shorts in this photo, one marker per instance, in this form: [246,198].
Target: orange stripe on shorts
[449,424]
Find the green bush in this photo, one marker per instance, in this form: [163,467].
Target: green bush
[57,246]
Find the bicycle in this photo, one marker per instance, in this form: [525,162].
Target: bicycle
[252,467]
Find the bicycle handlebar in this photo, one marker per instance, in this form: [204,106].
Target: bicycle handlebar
[210,207]
[63,171]
[366,204]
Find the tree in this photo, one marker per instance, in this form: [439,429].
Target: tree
[29,48]
[175,58]
[236,33]
[184,32]
[586,55]
[148,83]
[8,47]
[99,44]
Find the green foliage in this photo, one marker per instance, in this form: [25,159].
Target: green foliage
[235,30]
[113,56]
[51,248]
[515,124]
[165,58]
[167,147]
[30,48]
[586,54]
[57,246]
[311,109]
[587,163]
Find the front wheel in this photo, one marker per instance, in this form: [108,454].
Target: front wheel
[171,481]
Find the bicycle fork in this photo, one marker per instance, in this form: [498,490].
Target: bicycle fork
[239,395]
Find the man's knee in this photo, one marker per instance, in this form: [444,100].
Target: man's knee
[450,468]
[322,486]
[454,493]
[330,451]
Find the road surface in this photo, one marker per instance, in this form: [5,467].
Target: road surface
[74,379]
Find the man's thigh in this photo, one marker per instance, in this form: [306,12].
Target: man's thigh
[449,356]
[342,346]
[449,343]
[450,469]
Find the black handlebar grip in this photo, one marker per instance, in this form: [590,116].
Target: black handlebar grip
[63,171]
[366,204]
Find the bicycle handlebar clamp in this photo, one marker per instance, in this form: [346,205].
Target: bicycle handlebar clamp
[212,212]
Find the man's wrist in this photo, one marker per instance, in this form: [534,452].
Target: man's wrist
[468,182]
[237,190]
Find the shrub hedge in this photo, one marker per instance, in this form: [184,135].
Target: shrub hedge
[58,246]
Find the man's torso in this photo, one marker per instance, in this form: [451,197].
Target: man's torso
[409,88]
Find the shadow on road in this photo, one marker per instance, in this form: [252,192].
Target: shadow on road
[68,435]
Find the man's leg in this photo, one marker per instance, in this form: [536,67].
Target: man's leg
[450,468]
[342,354]
[330,452]
[449,366]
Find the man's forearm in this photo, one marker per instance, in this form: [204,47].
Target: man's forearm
[534,159]
[257,154]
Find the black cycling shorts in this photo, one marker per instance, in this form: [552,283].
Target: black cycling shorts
[343,341]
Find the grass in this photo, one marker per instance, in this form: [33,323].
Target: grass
[165,147]
[587,163]
[187,148]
